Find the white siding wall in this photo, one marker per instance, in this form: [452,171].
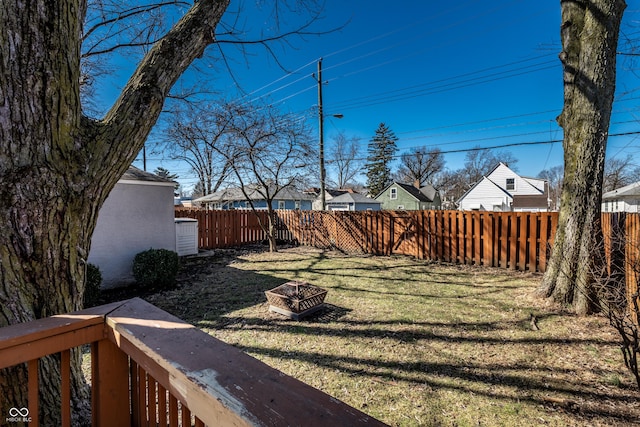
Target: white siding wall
[523,187]
[621,205]
[486,196]
[135,217]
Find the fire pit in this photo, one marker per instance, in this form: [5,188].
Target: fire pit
[296,299]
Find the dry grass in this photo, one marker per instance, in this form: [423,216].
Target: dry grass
[416,343]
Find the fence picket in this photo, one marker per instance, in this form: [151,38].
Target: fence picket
[511,240]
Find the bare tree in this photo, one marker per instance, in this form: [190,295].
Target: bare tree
[619,172]
[58,165]
[268,153]
[452,185]
[479,162]
[420,164]
[554,177]
[346,160]
[192,135]
[616,284]
[589,32]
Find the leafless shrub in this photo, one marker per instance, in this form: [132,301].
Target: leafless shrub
[616,283]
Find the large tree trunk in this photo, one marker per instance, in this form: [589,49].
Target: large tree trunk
[57,167]
[589,32]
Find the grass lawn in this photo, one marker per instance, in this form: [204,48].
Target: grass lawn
[415,343]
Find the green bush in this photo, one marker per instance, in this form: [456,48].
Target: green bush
[93,281]
[156,268]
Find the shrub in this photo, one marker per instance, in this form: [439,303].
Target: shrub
[156,268]
[93,281]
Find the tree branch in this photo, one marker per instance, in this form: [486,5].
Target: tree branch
[140,103]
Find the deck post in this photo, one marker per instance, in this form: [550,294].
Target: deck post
[110,382]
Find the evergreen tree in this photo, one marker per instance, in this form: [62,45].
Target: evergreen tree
[380,152]
[164,173]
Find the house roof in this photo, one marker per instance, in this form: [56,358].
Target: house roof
[352,198]
[236,194]
[631,190]
[531,182]
[483,179]
[423,194]
[135,174]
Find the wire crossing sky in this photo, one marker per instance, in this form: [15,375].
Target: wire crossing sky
[451,75]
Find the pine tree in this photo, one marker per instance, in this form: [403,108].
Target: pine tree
[380,152]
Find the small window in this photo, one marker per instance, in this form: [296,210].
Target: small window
[297,205]
[511,184]
[281,204]
[393,193]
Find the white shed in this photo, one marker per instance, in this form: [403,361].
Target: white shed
[137,215]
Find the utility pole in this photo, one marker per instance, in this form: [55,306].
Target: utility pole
[323,197]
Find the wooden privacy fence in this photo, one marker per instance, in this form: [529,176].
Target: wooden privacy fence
[513,240]
[222,229]
[621,232]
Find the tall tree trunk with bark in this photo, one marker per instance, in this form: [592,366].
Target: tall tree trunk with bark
[589,32]
[57,166]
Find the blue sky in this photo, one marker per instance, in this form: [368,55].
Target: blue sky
[451,75]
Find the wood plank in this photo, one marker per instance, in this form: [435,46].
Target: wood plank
[173,411]
[453,227]
[513,241]
[35,330]
[110,385]
[152,401]
[503,239]
[65,387]
[162,406]
[219,383]
[33,388]
[135,393]
[142,397]
[488,252]
[523,224]
[534,241]
[186,416]
[468,237]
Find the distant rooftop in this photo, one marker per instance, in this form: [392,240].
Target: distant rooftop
[135,174]
[631,190]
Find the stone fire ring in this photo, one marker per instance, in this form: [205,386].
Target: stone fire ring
[296,299]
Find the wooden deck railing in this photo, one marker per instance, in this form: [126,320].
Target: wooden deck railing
[150,368]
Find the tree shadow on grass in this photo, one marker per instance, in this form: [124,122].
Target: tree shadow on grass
[210,291]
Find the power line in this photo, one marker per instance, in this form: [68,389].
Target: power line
[507,145]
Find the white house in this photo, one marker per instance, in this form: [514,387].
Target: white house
[353,202]
[138,215]
[503,190]
[623,199]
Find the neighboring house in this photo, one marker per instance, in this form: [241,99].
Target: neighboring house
[353,202]
[234,198]
[623,199]
[329,194]
[503,190]
[399,196]
[183,202]
[137,215]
